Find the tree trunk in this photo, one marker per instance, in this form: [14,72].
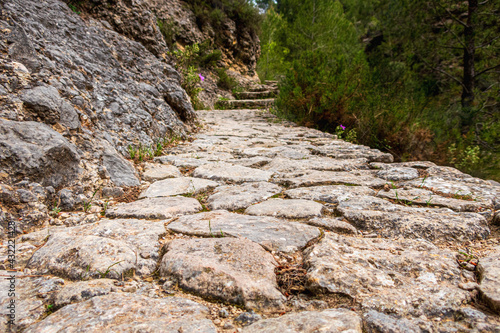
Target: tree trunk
[469,53]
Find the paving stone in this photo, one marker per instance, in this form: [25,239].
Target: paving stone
[178,186]
[285,165]
[489,277]
[429,198]
[271,233]
[31,296]
[404,277]
[235,270]
[373,214]
[231,173]
[377,322]
[125,312]
[330,320]
[118,247]
[236,197]
[251,162]
[288,208]
[155,208]
[316,178]
[83,290]
[344,150]
[413,164]
[329,193]
[333,224]
[160,171]
[398,173]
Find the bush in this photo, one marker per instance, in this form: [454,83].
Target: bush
[168,30]
[225,81]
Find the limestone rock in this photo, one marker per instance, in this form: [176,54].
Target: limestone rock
[235,197]
[232,269]
[329,193]
[316,178]
[34,150]
[489,276]
[83,290]
[155,172]
[373,214]
[108,248]
[344,150]
[285,165]
[333,224]
[330,320]
[32,294]
[178,186]
[271,233]
[289,208]
[428,198]
[155,208]
[119,312]
[231,173]
[405,277]
[121,171]
[376,322]
[398,173]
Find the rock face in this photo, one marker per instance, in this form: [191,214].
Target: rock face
[84,79]
[129,313]
[34,150]
[232,269]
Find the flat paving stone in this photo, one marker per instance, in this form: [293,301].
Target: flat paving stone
[285,165]
[489,277]
[430,199]
[231,173]
[373,214]
[235,270]
[329,193]
[83,290]
[32,295]
[316,178]
[398,173]
[155,172]
[333,224]
[155,208]
[273,234]
[288,208]
[121,246]
[234,197]
[344,150]
[124,312]
[330,320]
[404,277]
[178,186]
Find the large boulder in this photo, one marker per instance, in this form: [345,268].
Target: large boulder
[34,150]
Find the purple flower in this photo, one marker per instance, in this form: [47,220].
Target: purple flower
[341,126]
[202,78]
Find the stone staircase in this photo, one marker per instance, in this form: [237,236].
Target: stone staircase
[257,97]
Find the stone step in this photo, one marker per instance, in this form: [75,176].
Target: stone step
[263,87]
[256,94]
[245,104]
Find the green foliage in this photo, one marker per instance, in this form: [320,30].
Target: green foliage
[185,60]
[392,72]
[225,81]
[215,12]
[169,31]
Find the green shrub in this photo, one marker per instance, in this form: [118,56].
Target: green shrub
[168,30]
[225,81]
